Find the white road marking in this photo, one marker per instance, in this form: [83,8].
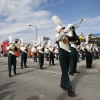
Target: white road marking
[42,96]
[46,71]
[50,72]
[40,70]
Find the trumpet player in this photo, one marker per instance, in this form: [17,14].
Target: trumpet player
[89,56]
[64,55]
[47,53]
[83,51]
[74,41]
[41,55]
[11,57]
[56,53]
[24,51]
[51,55]
[34,50]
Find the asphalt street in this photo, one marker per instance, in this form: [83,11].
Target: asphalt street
[34,84]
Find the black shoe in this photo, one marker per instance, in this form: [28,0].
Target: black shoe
[76,72]
[22,68]
[71,93]
[41,68]
[63,87]
[88,67]
[10,76]
[26,67]
[15,73]
[72,74]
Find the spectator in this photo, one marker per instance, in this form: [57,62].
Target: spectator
[2,54]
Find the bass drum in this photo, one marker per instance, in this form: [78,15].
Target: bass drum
[17,53]
[30,54]
[37,54]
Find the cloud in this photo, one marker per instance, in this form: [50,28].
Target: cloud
[85,1]
[53,3]
[84,8]
[91,25]
[16,20]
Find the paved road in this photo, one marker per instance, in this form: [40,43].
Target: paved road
[35,84]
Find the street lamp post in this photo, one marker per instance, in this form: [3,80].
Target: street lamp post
[36,31]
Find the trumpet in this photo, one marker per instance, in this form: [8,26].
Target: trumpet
[82,39]
[76,25]
[85,38]
[72,27]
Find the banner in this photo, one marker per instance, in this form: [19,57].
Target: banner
[45,38]
[35,43]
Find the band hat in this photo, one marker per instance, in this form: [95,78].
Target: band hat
[70,25]
[10,39]
[22,40]
[58,22]
[39,43]
[47,46]
[22,44]
[59,27]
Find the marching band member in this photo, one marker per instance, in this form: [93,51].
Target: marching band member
[64,55]
[95,52]
[41,55]
[74,41]
[78,50]
[47,53]
[97,55]
[56,51]
[83,51]
[24,51]
[11,58]
[88,53]
[34,50]
[51,55]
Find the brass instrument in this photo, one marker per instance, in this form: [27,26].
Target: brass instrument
[82,38]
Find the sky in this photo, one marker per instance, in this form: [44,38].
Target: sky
[17,15]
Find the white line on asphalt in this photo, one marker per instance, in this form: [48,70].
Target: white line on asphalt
[41,70]
[49,72]
[46,71]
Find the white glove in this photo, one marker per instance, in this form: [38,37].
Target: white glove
[67,29]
